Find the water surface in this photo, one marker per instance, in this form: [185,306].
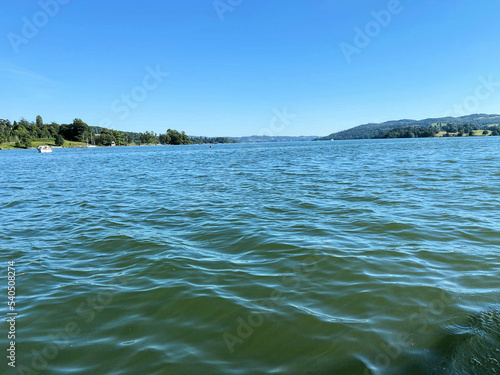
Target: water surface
[345,257]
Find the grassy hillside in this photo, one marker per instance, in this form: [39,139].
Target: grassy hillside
[39,142]
[367,131]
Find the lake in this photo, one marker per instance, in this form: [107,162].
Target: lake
[344,257]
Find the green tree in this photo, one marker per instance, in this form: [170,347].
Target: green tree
[177,138]
[485,132]
[105,139]
[59,140]
[45,133]
[39,121]
[54,129]
[78,131]
[148,138]
[119,137]
[24,141]
[164,139]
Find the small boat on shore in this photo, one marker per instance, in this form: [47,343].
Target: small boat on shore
[44,149]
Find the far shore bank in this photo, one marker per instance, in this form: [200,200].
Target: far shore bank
[11,146]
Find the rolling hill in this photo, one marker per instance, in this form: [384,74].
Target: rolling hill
[373,130]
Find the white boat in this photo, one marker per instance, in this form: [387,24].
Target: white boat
[44,149]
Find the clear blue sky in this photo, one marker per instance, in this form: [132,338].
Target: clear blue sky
[256,67]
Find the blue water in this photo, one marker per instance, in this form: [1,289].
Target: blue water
[344,257]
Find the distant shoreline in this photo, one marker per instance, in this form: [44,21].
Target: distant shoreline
[439,136]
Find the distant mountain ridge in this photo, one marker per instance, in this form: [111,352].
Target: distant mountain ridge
[274,138]
[372,130]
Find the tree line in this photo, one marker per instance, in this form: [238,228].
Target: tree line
[450,130]
[23,132]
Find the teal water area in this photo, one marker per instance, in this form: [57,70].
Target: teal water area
[344,257]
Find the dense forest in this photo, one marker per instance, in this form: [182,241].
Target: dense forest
[395,129]
[446,130]
[22,133]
